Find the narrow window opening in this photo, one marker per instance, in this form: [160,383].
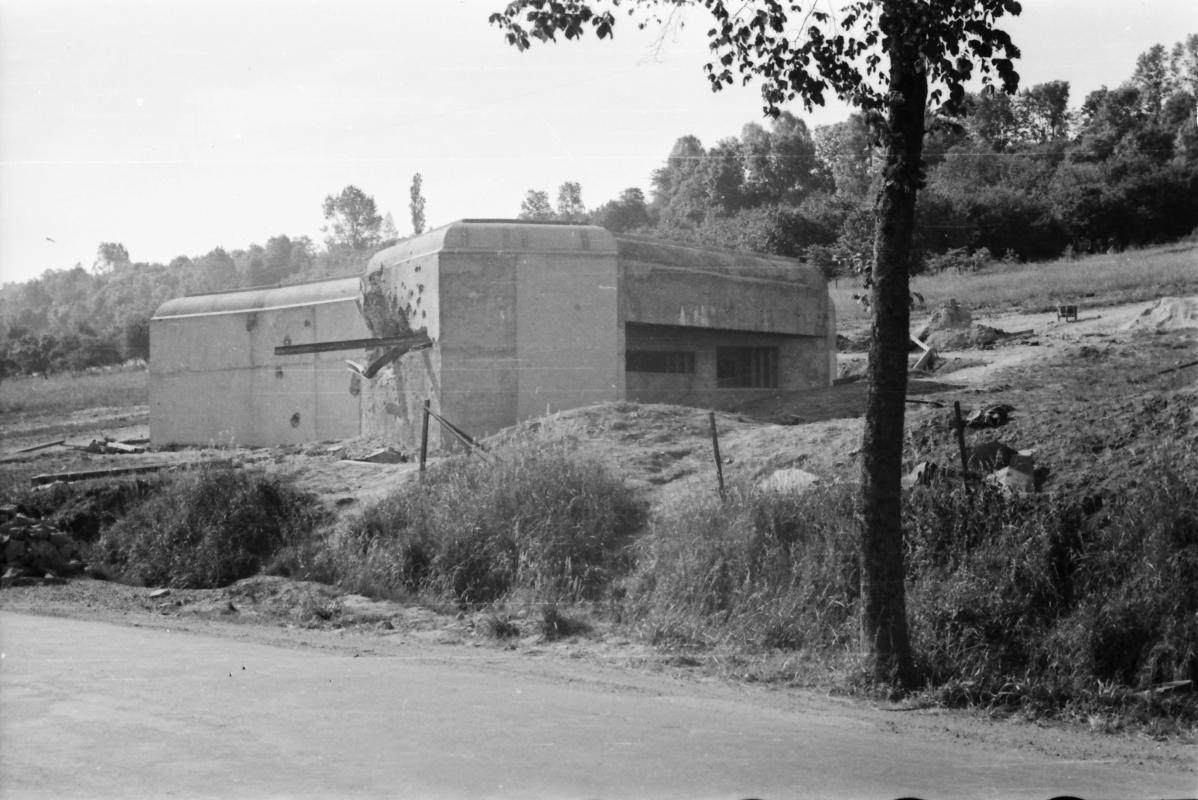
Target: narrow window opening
[747,367]
[676,362]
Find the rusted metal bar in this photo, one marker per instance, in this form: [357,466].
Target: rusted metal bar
[413,339]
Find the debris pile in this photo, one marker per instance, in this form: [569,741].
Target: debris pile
[1167,314]
[33,551]
[991,460]
[951,327]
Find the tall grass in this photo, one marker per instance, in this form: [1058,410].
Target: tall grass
[1044,602]
[536,521]
[208,528]
[1032,602]
[758,570]
[1108,279]
[63,393]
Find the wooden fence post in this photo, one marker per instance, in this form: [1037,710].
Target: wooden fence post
[424,437]
[715,446]
[959,426]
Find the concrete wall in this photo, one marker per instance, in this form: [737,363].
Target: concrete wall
[214,378]
[691,300]
[524,320]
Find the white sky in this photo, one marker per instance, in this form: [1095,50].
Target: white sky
[175,127]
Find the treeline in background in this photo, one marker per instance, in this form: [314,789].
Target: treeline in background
[1028,177]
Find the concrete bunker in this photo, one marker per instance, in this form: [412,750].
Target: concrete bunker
[215,378]
[493,322]
[527,319]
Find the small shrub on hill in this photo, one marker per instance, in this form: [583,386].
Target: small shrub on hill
[208,528]
[536,520]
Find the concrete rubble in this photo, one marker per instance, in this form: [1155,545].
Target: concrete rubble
[33,551]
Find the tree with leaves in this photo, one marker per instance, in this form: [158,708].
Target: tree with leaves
[570,207]
[535,206]
[626,213]
[355,220]
[388,232]
[891,58]
[416,204]
[110,256]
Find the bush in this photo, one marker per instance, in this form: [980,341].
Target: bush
[959,260]
[1048,602]
[763,570]
[208,528]
[536,520]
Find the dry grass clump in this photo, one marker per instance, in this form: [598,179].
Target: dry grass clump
[1041,604]
[761,569]
[208,528]
[536,521]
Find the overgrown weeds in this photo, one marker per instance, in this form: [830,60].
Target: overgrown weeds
[208,528]
[763,570]
[1046,603]
[538,521]
[1033,603]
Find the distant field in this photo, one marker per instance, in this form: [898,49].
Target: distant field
[62,394]
[1102,280]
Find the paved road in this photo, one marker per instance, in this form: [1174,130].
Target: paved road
[97,710]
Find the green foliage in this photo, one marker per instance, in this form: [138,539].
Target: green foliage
[416,204]
[537,520]
[535,206]
[1027,601]
[354,218]
[628,212]
[208,528]
[1043,602]
[959,260]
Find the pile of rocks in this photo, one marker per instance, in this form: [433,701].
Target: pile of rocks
[33,551]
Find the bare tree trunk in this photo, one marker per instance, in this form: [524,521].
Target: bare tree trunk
[884,614]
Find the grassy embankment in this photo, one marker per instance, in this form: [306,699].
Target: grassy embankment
[66,392]
[1108,279]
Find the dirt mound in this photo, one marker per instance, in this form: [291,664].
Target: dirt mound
[1167,314]
[950,316]
[964,338]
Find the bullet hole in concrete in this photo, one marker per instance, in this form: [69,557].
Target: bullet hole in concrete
[279,373]
[307,323]
[295,420]
[287,341]
[355,384]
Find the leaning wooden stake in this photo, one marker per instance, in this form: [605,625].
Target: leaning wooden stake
[959,426]
[715,446]
[424,436]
